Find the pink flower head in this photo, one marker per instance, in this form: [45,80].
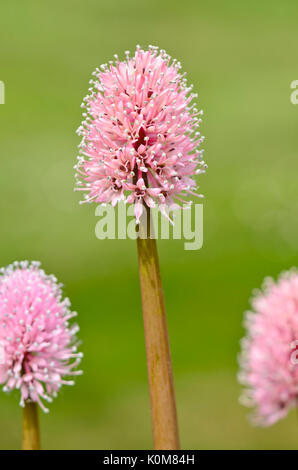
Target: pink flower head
[269,357]
[38,345]
[138,138]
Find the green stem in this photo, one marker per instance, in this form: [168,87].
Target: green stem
[30,438]
[162,395]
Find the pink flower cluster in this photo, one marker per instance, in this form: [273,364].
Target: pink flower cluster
[269,358]
[139,139]
[39,346]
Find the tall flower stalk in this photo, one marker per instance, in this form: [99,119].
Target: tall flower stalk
[39,345]
[140,145]
[30,436]
[160,375]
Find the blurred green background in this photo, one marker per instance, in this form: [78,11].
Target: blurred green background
[241,58]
